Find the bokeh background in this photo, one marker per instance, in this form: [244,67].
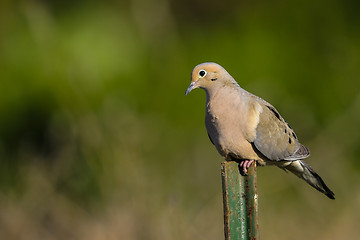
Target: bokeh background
[98,141]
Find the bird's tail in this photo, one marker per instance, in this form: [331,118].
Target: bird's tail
[305,172]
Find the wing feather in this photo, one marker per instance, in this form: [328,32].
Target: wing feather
[275,139]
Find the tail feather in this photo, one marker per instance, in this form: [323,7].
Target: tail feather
[305,172]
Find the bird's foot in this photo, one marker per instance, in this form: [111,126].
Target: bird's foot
[245,164]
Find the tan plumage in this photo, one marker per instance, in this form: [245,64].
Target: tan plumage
[245,127]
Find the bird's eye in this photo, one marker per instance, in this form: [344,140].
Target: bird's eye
[202,73]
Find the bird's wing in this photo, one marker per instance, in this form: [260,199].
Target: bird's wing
[274,138]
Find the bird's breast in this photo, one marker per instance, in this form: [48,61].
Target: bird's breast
[225,125]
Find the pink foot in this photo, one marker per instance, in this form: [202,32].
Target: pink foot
[245,164]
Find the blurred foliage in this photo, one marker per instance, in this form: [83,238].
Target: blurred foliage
[98,141]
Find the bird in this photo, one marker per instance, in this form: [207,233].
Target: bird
[245,128]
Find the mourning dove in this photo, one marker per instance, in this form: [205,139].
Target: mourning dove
[246,128]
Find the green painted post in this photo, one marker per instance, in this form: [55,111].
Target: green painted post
[240,202]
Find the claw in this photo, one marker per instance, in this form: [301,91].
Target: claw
[249,163]
[245,164]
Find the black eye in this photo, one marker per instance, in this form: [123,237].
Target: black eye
[202,73]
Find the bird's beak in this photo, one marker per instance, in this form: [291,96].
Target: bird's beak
[191,87]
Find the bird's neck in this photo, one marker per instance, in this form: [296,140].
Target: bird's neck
[229,87]
[211,94]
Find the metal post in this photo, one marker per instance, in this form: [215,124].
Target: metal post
[240,202]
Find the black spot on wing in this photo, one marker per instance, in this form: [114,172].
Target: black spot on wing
[277,115]
[294,135]
[289,126]
[289,140]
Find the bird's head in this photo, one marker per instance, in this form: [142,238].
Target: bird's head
[207,76]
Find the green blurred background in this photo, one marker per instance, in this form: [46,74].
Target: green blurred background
[98,141]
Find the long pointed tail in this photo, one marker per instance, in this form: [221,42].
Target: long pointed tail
[305,172]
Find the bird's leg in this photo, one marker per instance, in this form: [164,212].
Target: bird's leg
[245,164]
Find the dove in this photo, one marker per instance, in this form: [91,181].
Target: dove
[245,128]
